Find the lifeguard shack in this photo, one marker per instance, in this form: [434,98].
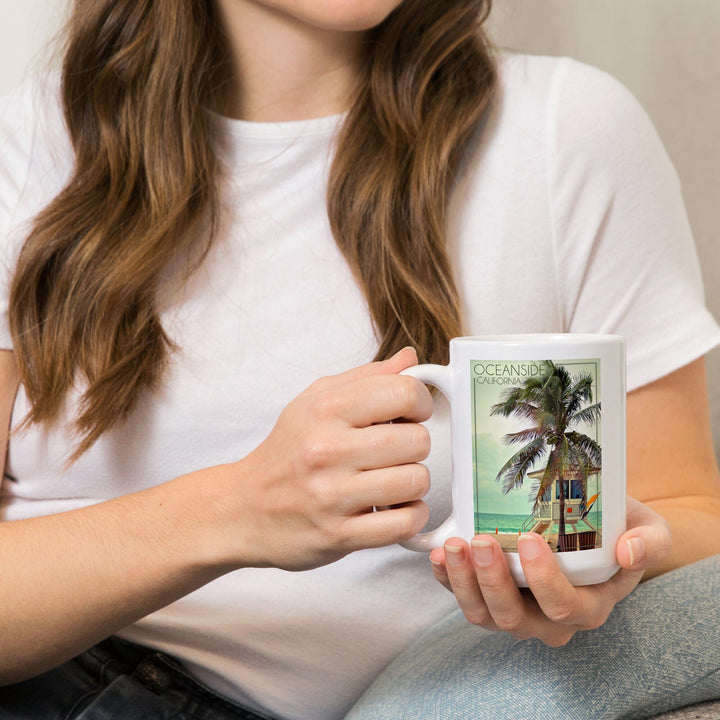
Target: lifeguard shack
[580,532]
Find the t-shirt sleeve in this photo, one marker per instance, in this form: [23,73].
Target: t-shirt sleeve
[626,258]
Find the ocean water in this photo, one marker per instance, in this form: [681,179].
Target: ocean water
[487,522]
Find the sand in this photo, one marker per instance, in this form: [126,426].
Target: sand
[508,541]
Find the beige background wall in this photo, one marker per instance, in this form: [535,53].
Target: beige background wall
[25,29]
[667,52]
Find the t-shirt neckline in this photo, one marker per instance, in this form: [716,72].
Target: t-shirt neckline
[283,130]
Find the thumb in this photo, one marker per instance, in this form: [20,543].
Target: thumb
[647,540]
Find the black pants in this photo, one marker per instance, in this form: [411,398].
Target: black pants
[118,680]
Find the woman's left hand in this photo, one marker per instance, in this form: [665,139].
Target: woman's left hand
[551,609]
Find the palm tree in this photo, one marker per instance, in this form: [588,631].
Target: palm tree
[554,402]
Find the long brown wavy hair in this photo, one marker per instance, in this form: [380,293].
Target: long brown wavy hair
[137,76]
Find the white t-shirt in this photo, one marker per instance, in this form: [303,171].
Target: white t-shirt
[567,216]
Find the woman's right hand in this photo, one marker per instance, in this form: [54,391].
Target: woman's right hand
[305,496]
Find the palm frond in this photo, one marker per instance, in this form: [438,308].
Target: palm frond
[591,449]
[546,421]
[514,471]
[513,405]
[579,392]
[589,415]
[523,436]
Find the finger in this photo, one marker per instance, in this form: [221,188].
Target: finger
[437,561]
[388,486]
[621,584]
[403,359]
[383,398]
[380,446]
[558,599]
[372,400]
[464,584]
[553,592]
[501,595]
[385,527]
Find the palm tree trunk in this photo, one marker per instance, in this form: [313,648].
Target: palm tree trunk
[561,521]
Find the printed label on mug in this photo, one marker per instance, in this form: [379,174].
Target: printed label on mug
[537,455]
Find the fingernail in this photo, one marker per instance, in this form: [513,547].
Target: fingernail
[528,547]
[636,549]
[482,552]
[455,555]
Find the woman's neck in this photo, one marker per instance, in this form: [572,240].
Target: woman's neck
[283,68]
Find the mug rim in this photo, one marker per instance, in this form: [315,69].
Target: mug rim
[539,338]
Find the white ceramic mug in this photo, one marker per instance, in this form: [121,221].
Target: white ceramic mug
[538,445]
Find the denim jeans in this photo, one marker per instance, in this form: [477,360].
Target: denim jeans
[659,650]
[118,680]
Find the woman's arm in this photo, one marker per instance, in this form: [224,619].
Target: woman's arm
[303,498]
[671,469]
[671,462]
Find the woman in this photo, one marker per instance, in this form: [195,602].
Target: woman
[176,276]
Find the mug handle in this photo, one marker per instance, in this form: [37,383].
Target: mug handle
[441,377]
